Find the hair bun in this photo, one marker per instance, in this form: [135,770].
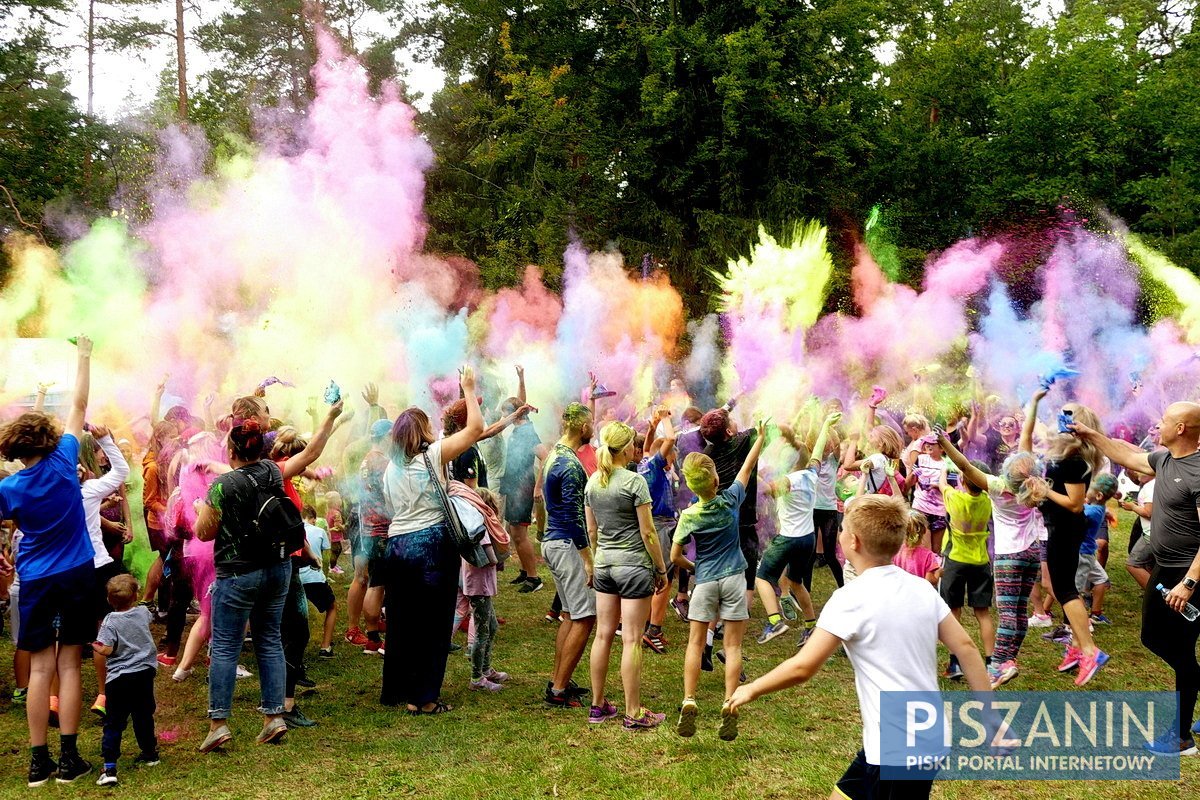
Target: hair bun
[250,425]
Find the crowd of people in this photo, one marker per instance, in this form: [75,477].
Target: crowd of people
[630,515]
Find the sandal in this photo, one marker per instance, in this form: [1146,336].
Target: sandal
[438,708]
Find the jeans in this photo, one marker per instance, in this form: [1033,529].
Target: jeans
[129,695]
[257,596]
[422,582]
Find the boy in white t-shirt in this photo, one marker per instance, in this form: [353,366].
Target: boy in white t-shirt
[1141,557]
[889,650]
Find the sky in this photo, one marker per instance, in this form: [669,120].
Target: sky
[124,80]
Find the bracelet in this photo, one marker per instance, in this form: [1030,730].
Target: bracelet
[660,572]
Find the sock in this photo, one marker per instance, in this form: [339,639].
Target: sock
[654,630]
[373,636]
[810,623]
[708,642]
[41,751]
[987,660]
[108,765]
[773,619]
[66,744]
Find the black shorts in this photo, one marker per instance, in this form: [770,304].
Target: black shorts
[376,568]
[103,575]
[518,504]
[972,581]
[59,607]
[320,595]
[158,541]
[862,782]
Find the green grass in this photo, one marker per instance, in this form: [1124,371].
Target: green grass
[792,745]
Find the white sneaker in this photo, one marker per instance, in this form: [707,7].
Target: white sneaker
[181,675]
[1041,621]
[242,672]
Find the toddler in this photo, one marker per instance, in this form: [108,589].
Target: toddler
[915,557]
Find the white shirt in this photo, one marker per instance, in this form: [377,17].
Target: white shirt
[795,508]
[1017,526]
[889,622]
[410,492]
[318,541]
[1146,495]
[94,492]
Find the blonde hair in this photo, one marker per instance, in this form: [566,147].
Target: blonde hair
[333,500]
[880,522]
[614,438]
[918,526]
[1062,446]
[698,473]
[889,441]
[915,421]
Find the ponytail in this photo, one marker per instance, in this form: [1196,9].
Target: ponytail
[614,438]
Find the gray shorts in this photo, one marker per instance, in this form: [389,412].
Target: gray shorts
[631,582]
[720,599]
[570,578]
[666,529]
[1142,555]
[14,613]
[1089,573]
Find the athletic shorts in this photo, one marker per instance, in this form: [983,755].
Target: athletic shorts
[861,781]
[320,595]
[1142,555]
[1090,573]
[14,613]
[59,607]
[937,522]
[102,575]
[570,578]
[972,581]
[630,582]
[158,541]
[791,553]
[724,598]
[377,562]
[666,529]
[518,505]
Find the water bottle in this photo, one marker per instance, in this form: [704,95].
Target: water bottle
[1190,612]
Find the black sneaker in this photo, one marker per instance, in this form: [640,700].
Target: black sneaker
[564,700]
[41,770]
[325,652]
[531,585]
[706,661]
[147,759]
[108,777]
[306,682]
[72,767]
[522,576]
[296,719]
[575,690]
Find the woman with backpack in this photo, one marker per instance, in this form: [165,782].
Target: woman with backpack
[253,570]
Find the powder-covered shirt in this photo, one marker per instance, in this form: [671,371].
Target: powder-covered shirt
[128,634]
[968,525]
[1018,527]
[374,511]
[713,525]
[927,496]
[729,457]
[795,509]
[662,498]
[563,484]
[519,455]
[45,502]
[827,499]
[411,493]
[919,560]
[619,537]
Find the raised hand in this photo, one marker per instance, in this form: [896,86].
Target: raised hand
[370,394]
[467,380]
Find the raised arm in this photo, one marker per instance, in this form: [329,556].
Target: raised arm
[971,474]
[499,425]
[459,442]
[298,463]
[1030,420]
[79,398]
[40,403]
[520,384]
[743,476]
[1117,451]
[156,402]
[114,479]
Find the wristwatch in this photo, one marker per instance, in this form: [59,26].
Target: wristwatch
[1189,583]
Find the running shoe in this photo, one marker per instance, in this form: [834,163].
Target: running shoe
[729,724]
[20,696]
[1041,621]
[531,585]
[496,676]
[771,631]
[522,576]
[306,682]
[680,607]
[1057,633]
[553,618]
[166,660]
[485,685]
[654,641]
[564,700]
[325,652]
[1100,619]
[647,720]
[356,637]
[242,672]
[373,648]
[953,671]
[1071,659]
[600,714]
[688,711]
[805,635]
[336,570]
[297,719]
[108,777]
[147,759]
[1169,744]
[1003,673]
[789,607]
[1089,666]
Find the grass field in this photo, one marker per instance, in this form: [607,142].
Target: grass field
[793,745]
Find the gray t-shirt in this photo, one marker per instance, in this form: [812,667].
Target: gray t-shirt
[1175,518]
[619,542]
[128,634]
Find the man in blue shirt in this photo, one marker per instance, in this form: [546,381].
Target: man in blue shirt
[567,553]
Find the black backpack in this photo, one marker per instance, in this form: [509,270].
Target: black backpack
[278,527]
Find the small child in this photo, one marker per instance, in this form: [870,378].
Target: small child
[479,587]
[1090,577]
[926,477]
[720,567]
[967,570]
[126,641]
[915,557]
[316,586]
[337,529]
[890,623]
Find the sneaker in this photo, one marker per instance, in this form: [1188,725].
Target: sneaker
[805,635]
[336,570]
[1041,621]
[273,731]
[553,618]
[706,660]
[648,720]
[564,700]
[522,576]
[373,648]
[242,672]
[1089,666]
[98,707]
[993,671]
[496,676]
[216,738]
[1070,660]
[599,714]
[306,682]
[455,647]
[1004,673]
[729,724]
[953,671]
[680,607]
[166,660]
[41,770]
[655,642]
[485,685]
[1057,633]
[297,719]
[180,675]
[356,637]
[771,631]
[531,585]
[719,632]
[147,759]
[1169,744]
[20,696]
[1100,619]
[789,608]
[325,652]
[688,711]
[72,767]
[573,689]
[108,777]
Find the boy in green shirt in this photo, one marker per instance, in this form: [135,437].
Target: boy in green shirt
[967,571]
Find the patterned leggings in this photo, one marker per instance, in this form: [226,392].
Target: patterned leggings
[484,619]
[1016,574]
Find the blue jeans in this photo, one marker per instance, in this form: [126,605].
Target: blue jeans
[258,597]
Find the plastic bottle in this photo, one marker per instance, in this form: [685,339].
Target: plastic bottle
[1190,612]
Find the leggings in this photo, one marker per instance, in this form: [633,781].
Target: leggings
[1062,559]
[485,633]
[1016,575]
[1173,639]
[826,523]
[294,632]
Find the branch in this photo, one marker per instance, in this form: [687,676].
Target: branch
[13,205]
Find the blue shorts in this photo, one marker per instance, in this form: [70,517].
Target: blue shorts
[58,608]
[793,553]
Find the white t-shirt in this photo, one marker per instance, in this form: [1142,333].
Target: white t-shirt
[1017,526]
[1146,495]
[318,542]
[827,484]
[927,496]
[874,472]
[411,494]
[795,509]
[889,622]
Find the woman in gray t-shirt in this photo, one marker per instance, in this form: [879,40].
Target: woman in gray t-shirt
[629,569]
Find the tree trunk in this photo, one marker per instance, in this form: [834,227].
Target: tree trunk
[181,66]
[91,91]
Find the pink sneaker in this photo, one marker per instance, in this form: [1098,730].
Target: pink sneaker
[1089,666]
[646,721]
[496,676]
[1071,659]
[484,685]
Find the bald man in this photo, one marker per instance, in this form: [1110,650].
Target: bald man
[1175,522]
